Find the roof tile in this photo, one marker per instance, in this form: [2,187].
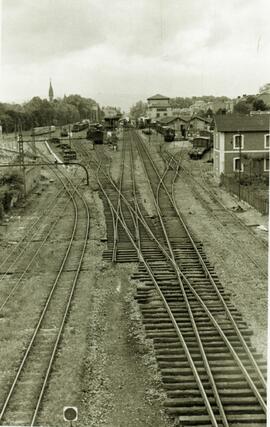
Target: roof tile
[242,123]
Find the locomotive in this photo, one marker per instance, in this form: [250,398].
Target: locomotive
[169,134]
[95,133]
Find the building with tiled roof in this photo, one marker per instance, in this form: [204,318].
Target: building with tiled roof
[198,123]
[157,97]
[158,107]
[178,123]
[241,144]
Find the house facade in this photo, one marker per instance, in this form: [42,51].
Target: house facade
[241,145]
[158,107]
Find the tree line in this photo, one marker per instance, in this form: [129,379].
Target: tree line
[41,112]
[250,103]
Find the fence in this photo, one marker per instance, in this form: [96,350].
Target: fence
[248,194]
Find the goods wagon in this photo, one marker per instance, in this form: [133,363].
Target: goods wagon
[69,155]
[77,127]
[41,130]
[201,145]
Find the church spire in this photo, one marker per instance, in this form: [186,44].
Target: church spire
[50,91]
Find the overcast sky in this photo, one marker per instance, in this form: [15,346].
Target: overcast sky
[120,51]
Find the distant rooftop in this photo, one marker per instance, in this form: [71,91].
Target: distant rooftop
[238,122]
[203,119]
[158,96]
[169,119]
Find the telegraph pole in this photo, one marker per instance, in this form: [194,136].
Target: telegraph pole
[240,166]
[21,159]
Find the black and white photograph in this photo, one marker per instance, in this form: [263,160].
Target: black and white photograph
[134,213]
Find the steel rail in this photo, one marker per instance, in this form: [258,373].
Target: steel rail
[99,164]
[16,285]
[211,195]
[133,218]
[49,209]
[228,313]
[32,226]
[75,280]
[235,356]
[118,209]
[254,363]
[186,300]
[248,378]
[37,328]
[136,205]
[174,322]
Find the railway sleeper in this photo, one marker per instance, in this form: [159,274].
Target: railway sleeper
[249,420]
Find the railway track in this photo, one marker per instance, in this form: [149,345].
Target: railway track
[209,369]
[231,224]
[25,393]
[201,290]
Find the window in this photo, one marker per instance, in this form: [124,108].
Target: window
[267,141]
[266,164]
[236,165]
[237,140]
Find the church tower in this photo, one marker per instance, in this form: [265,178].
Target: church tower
[50,92]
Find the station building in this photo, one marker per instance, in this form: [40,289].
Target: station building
[241,144]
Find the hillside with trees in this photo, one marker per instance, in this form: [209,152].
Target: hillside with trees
[41,112]
[251,103]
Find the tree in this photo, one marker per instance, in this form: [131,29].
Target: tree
[242,107]
[221,111]
[180,102]
[259,105]
[41,112]
[138,110]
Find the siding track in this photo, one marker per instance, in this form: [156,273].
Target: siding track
[25,394]
[211,373]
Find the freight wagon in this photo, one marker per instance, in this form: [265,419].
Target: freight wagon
[166,131]
[201,145]
[41,130]
[77,127]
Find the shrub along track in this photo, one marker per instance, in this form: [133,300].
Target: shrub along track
[26,391]
[210,371]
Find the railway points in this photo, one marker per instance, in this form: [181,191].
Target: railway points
[210,371]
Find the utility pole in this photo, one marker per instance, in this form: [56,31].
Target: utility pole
[21,160]
[240,166]
[69,135]
[34,143]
